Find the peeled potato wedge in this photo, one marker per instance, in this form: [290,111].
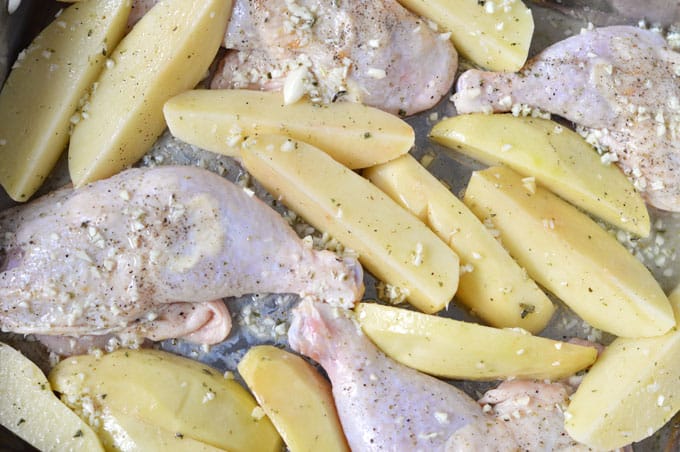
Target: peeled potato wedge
[453,349]
[492,34]
[557,157]
[630,393]
[188,398]
[392,244]
[128,432]
[495,288]
[353,134]
[29,408]
[168,51]
[570,255]
[297,399]
[44,87]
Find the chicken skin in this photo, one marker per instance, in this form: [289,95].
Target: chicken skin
[376,52]
[621,82]
[533,413]
[150,250]
[383,405]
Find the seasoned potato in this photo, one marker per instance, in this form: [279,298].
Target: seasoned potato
[392,244]
[29,408]
[630,393]
[44,87]
[558,158]
[453,349]
[493,287]
[570,255]
[162,390]
[353,134]
[168,51]
[494,35]
[126,432]
[297,399]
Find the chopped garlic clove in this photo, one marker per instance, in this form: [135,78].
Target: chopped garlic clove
[294,86]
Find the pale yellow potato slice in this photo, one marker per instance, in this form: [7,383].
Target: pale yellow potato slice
[183,396]
[127,432]
[44,87]
[353,134]
[296,398]
[570,255]
[29,408]
[557,157]
[493,34]
[453,349]
[492,285]
[630,392]
[392,244]
[168,51]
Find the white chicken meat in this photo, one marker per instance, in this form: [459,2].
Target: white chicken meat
[620,82]
[150,250]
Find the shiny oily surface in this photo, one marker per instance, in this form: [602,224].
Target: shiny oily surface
[263,319]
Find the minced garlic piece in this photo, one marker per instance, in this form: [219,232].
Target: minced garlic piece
[208,396]
[257,413]
[294,85]
[418,255]
[376,73]
[529,183]
[288,146]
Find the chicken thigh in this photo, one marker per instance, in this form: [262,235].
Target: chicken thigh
[621,82]
[376,52]
[150,250]
[383,405]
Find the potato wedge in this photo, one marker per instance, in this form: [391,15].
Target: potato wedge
[494,35]
[453,349]
[44,87]
[174,393]
[630,392]
[29,408]
[496,289]
[557,157]
[392,244]
[168,51]
[570,255]
[297,399]
[128,432]
[353,134]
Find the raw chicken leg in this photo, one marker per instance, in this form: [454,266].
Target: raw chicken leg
[622,82]
[383,405]
[149,250]
[375,52]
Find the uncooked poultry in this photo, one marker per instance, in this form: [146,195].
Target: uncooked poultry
[151,250]
[533,412]
[376,52]
[621,82]
[383,405]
